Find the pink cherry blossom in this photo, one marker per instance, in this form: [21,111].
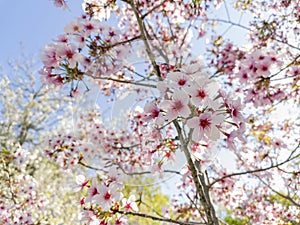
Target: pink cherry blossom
[130,203]
[90,26]
[49,56]
[152,54]
[116,177]
[104,222]
[74,27]
[235,108]
[236,133]
[92,191]
[196,69]
[51,78]
[278,143]
[152,112]
[81,41]
[178,79]
[90,217]
[177,106]
[204,126]
[68,51]
[81,182]
[121,221]
[202,91]
[60,3]
[106,196]
[63,38]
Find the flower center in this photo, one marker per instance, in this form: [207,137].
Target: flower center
[204,123]
[201,94]
[70,54]
[181,82]
[155,113]
[107,196]
[94,191]
[178,105]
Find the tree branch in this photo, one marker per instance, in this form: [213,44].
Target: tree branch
[290,158]
[284,68]
[287,197]
[121,81]
[198,178]
[144,38]
[168,220]
[153,9]
[122,42]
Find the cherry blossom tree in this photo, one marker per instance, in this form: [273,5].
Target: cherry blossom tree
[208,77]
[29,181]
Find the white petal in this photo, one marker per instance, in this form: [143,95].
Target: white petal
[193,123]
[185,112]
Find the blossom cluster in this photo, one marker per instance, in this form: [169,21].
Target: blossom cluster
[67,60]
[19,198]
[104,196]
[96,140]
[263,208]
[188,96]
[258,70]
[29,182]
[92,48]
[189,108]
[191,96]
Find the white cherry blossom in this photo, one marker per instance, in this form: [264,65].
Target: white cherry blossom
[204,126]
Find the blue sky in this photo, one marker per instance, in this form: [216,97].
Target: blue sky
[28,25]
[31,24]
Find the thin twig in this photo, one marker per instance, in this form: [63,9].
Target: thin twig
[287,197]
[290,158]
[122,42]
[121,81]
[168,220]
[153,9]
[146,172]
[91,167]
[287,66]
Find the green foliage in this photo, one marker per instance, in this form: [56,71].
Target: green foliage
[236,221]
[281,200]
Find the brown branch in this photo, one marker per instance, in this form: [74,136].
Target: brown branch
[121,81]
[286,43]
[160,51]
[185,34]
[152,10]
[287,66]
[144,38]
[91,167]
[122,42]
[290,158]
[287,197]
[146,172]
[152,209]
[249,29]
[127,173]
[198,178]
[194,204]
[162,219]
[13,195]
